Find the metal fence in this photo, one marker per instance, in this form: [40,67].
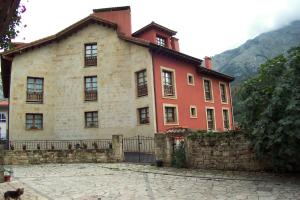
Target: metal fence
[138,144]
[59,144]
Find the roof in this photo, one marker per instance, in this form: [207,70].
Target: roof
[3,103]
[112,9]
[155,26]
[7,56]
[65,32]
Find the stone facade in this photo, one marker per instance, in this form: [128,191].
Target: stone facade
[19,157]
[61,64]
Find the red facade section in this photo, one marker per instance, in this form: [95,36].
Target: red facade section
[188,95]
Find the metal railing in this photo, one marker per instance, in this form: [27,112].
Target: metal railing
[169,90]
[35,96]
[90,61]
[142,90]
[91,95]
[59,144]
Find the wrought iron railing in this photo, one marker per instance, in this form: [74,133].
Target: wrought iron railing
[142,90]
[91,95]
[59,144]
[35,96]
[90,61]
[169,90]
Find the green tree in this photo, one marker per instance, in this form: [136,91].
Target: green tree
[12,30]
[270,110]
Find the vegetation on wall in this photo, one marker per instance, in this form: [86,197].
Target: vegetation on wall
[269,106]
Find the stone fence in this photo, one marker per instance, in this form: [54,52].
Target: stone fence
[214,152]
[20,157]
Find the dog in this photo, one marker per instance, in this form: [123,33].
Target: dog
[14,194]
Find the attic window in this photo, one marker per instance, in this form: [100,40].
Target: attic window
[161,41]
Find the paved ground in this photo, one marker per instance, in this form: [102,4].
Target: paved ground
[139,182]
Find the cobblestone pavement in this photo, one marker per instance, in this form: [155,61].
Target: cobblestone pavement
[144,182]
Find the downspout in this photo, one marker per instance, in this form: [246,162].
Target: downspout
[232,117]
[153,74]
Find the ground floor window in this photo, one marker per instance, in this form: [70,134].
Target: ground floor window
[91,119]
[34,121]
[226,119]
[210,114]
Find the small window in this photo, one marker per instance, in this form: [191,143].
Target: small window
[34,121]
[143,115]
[35,90]
[141,82]
[91,119]
[170,115]
[190,78]
[90,88]
[90,58]
[193,112]
[226,119]
[223,93]
[2,117]
[208,90]
[161,41]
[210,119]
[168,83]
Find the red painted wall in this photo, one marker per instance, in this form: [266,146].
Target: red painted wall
[187,95]
[121,17]
[150,35]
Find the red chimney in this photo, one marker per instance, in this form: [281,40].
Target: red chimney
[175,43]
[207,62]
[118,15]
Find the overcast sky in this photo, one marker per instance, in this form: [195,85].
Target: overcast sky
[205,28]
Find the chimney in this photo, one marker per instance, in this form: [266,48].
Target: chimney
[119,15]
[207,62]
[175,43]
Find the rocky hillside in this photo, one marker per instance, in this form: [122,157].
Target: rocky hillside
[243,62]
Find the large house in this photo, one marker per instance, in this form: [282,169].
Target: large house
[96,78]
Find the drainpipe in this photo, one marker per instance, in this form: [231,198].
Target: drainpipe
[153,74]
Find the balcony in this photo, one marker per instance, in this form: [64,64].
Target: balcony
[142,90]
[90,95]
[90,61]
[35,97]
[169,90]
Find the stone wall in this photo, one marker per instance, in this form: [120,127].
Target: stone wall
[219,152]
[227,153]
[21,157]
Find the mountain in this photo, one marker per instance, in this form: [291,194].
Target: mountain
[243,62]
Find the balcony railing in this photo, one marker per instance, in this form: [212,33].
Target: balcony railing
[211,125]
[90,61]
[142,90]
[169,90]
[35,96]
[91,95]
[144,121]
[59,144]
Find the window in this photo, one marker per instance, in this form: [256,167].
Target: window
[223,93]
[34,121]
[35,89]
[193,112]
[208,90]
[226,119]
[141,82]
[2,117]
[190,79]
[170,115]
[90,88]
[168,83]
[161,41]
[90,58]
[143,115]
[210,119]
[91,119]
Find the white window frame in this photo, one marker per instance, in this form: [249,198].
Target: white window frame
[211,88]
[162,82]
[188,80]
[214,113]
[196,113]
[177,114]
[226,93]
[229,128]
